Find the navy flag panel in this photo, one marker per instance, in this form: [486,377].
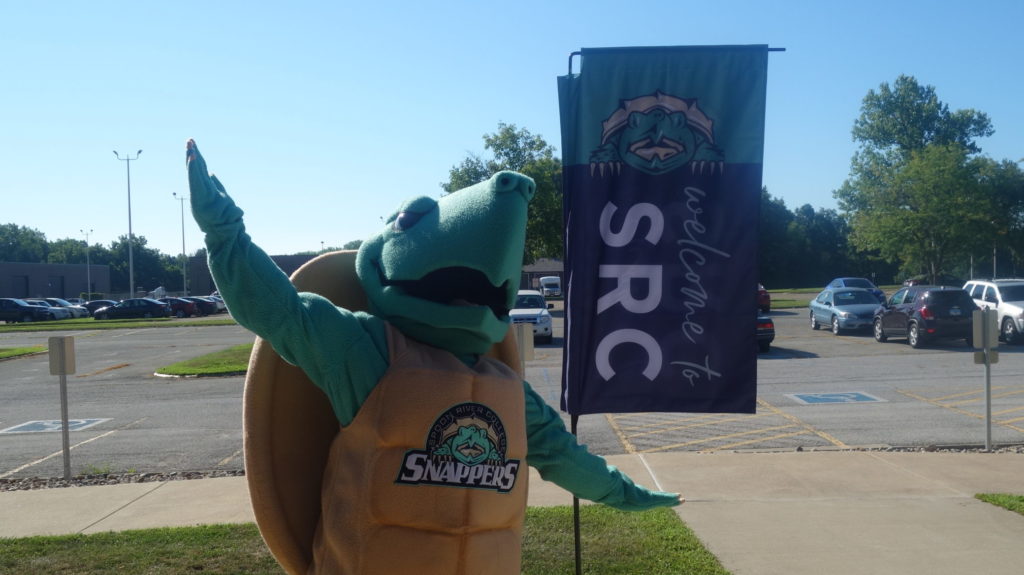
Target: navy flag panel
[662,164]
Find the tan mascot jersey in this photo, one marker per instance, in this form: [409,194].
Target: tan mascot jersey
[424,470]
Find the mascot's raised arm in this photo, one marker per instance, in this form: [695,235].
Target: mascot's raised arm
[422,466]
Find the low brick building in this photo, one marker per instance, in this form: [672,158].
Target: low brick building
[23,280]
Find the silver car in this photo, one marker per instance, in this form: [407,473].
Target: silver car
[843,309]
[58,312]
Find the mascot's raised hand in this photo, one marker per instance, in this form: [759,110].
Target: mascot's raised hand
[425,471]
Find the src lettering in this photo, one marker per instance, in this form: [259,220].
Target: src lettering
[693,254]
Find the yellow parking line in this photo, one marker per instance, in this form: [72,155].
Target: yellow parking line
[981,416]
[1011,410]
[966,393]
[657,424]
[750,441]
[618,432]
[800,422]
[702,424]
[936,403]
[717,438]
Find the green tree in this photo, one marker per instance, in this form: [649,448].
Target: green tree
[929,213]
[22,244]
[519,150]
[906,117]
[912,195]
[775,266]
[152,268]
[66,251]
[1002,184]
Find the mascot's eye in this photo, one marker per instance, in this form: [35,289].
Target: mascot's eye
[406,220]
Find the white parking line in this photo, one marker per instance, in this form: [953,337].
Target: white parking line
[61,452]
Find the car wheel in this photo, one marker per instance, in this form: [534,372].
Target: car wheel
[102,316]
[1010,333]
[814,322]
[148,315]
[764,346]
[180,314]
[879,332]
[26,319]
[914,336]
[835,325]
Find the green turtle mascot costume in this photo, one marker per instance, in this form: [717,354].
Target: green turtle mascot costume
[385,431]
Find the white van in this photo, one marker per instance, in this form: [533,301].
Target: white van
[551,286]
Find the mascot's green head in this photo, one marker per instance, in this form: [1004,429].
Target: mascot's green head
[446,272]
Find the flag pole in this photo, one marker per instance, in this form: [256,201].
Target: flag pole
[574,419]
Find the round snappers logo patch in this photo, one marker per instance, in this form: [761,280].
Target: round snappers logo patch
[465,447]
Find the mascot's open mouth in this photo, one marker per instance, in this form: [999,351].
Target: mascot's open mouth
[455,286]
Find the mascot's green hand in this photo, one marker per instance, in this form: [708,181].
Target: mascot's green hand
[632,497]
[210,203]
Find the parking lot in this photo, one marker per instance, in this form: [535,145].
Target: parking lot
[815,391]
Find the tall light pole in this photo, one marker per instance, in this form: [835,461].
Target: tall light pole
[184,256]
[88,269]
[127,159]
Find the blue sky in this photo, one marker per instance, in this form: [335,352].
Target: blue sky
[320,117]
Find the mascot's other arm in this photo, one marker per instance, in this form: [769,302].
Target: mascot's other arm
[304,328]
[554,452]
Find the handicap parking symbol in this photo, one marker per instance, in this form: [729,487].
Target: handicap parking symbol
[840,397]
[52,425]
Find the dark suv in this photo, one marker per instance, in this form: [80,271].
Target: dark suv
[924,313]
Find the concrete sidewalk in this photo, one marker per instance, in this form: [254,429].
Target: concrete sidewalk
[813,513]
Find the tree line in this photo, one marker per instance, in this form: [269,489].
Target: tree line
[920,200]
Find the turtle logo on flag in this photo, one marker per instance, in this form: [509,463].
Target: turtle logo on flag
[657,134]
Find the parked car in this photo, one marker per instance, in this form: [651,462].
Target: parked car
[863,283]
[926,313]
[180,307]
[58,312]
[77,311]
[530,307]
[843,309]
[218,301]
[96,304]
[14,310]
[765,332]
[764,299]
[1007,298]
[134,307]
[203,305]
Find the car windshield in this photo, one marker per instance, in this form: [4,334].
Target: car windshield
[854,298]
[858,282]
[1012,293]
[529,301]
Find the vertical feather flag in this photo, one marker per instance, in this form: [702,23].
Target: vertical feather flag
[662,152]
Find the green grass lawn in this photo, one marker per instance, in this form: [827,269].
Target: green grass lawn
[613,542]
[6,352]
[231,361]
[1012,502]
[89,323]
